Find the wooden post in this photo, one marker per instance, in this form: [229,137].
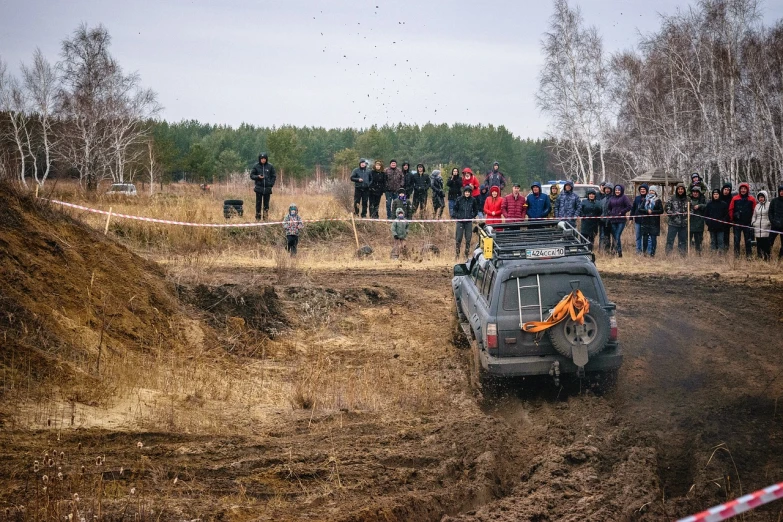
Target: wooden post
[355,233]
[108,218]
[689,227]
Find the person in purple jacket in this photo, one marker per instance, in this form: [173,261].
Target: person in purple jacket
[619,205]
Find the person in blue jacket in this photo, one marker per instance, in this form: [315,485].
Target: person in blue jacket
[538,204]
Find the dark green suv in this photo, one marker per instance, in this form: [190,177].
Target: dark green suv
[520,275]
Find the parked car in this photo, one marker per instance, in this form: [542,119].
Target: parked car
[525,273]
[126,189]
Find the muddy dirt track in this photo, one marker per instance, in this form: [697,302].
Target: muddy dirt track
[692,421]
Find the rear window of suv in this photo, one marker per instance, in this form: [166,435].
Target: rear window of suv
[553,288]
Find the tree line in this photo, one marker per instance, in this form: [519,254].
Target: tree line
[211,152]
[703,93]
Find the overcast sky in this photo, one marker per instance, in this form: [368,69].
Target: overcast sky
[333,63]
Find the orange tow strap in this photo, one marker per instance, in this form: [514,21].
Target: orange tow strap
[574,305]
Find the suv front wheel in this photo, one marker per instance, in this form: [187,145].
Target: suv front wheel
[594,332]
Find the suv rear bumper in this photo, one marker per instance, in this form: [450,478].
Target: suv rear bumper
[609,359]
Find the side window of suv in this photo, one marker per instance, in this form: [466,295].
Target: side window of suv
[489,283]
[474,270]
[482,270]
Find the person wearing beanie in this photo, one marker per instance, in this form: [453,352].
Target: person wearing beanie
[421,189]
[696,181]
[677,210]
[438,195]
[761,225]
[264,176]
[402,202]
[292,224]
[399,230]
[776,221]
[716,215]
[377,188]
[465,210]
[495,178]
[514,206]
[741,214]
[698,205]
[636,210]
[651,210]
[394,182]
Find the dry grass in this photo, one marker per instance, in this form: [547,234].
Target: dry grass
[172,388]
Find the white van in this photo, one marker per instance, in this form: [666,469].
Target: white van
[126,189]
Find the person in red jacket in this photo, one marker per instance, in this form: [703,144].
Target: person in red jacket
[468,178]
[741,214]
[514,206]
[492,206]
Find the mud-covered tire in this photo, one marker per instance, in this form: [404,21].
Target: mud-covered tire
[458,338]
[485,385]
[564,338]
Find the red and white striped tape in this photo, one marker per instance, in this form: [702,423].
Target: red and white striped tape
[361,220]
[738,225]
[740,505]
[267,223]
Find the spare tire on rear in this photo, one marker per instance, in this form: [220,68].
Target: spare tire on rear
[564,335]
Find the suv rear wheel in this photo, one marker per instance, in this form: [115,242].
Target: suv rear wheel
[595,334]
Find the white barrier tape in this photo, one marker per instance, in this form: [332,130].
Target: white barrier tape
[267,223]
[740,505]
[738,225]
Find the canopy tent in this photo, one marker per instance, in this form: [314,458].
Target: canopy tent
[657,176]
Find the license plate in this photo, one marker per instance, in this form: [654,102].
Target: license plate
[538,253]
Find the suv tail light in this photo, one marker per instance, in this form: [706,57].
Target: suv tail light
[612,328]
[492,336]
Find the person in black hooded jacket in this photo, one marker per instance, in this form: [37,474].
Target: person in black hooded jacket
[421,190]
[264,175]
[455,189]
[716,214]
[407,175]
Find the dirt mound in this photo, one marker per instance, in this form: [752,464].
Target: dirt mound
[68,296]
[232,304]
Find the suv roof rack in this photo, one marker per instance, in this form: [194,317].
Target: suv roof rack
[546,239]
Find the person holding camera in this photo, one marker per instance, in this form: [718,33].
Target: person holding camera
[264,175]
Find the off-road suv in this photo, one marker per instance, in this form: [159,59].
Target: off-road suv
[519,275]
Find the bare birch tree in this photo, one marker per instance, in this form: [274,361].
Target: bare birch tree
[573,91]
[41,83]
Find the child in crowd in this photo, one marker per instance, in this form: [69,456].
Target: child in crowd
[399,229]
[292,224]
